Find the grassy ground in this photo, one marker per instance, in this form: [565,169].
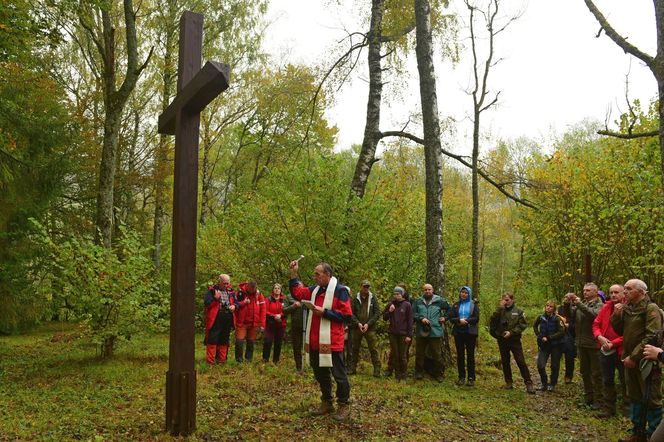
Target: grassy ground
[53,387]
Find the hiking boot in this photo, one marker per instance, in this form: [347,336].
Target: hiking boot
[507,386]
[439,379]
[530,388]
[387,373]
[568,380]
[542,388]
[324,408]
[471,382]
[342,414]
[550,388]
[376,372]
[418,376]
[461,382]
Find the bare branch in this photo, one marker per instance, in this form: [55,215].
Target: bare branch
[463,160]
[619,39]
[628,136]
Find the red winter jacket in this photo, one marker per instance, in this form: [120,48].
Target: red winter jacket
[212,306]
[252,313]
[275,306]
[602,326]
[341,312]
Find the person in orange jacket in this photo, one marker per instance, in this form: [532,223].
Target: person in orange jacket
[249,320]
[219,319]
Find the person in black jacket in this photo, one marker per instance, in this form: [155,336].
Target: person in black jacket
[464,316]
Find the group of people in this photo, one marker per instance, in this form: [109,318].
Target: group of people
[621,335]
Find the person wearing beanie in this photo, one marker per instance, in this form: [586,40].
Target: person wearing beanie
[465,316]
[400,315]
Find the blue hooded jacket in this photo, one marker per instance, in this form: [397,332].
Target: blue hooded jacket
[468,310]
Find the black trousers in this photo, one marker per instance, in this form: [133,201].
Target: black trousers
[428,347]
[296,340]
[399,350]
[513,345]
[324,377]
[274,333]
[569,351]
[221,329]
[546,351]
[465,347]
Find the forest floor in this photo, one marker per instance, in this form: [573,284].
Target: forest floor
[54,387]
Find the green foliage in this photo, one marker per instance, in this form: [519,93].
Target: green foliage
[598,196]
[35,139]
[114,292]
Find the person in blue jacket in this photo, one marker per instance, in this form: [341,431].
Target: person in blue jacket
[465,316]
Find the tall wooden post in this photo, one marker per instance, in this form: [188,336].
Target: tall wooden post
[196,88]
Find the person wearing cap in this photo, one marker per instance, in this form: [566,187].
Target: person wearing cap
[610,349]
[429,314]
[637,321]
[465,316]
[508,323]
[400,315]
[366,312]
[587,348]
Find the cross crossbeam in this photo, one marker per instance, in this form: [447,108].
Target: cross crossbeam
[209,82]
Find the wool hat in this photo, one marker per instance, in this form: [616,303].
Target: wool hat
[398,289]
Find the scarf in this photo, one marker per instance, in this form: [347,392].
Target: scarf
[464,308]
[324,335]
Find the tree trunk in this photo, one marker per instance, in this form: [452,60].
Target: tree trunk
[206,179]
[433,159]
[161,164]
[476,206]
[107,174]
[108,347]
[658,71]
[372,125]
[114,104]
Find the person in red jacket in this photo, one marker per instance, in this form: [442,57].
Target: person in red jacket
[219,319]
[611,346]
[275,324]
[249,319]
[329,305]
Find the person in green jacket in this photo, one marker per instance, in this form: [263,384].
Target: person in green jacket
[638,321]
[429,314]
[507,324]
[587,346]
[366,312]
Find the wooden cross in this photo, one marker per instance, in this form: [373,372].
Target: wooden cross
[196,89]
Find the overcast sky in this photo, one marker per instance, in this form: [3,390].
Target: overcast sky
[554,72]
